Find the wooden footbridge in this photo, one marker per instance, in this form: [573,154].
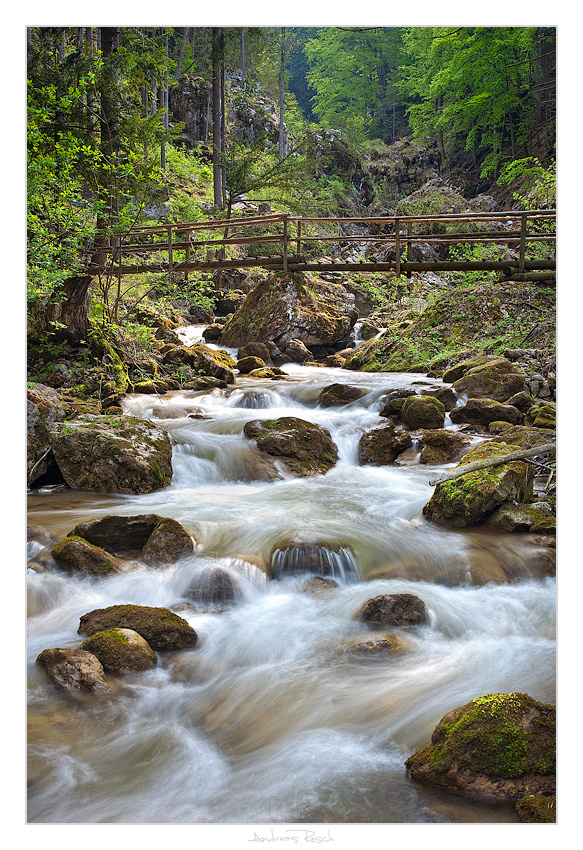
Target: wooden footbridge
[524,245]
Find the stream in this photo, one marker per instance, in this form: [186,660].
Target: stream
[274,717]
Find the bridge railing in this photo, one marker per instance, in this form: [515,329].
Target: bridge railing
[306,243]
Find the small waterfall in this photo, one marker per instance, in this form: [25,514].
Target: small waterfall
[316,560]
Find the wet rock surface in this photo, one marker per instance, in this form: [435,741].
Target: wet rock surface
[304,448]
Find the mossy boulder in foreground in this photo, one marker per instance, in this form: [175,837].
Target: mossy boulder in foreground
[112,454]
[75,553]
[161,628]
[472,498]
[121,650]
[499,746]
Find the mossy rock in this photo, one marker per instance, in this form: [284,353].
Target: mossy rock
[441,445]
[537,808]
[75,553]
[161,628]
[422,412]
[521,518]
[500,746]
[337,395]
[303,447]
[543,415]
[382,446]
[157,539]
[121,650]
[112,454]
[249,364]
[472,498]
[484,411]
[497,378]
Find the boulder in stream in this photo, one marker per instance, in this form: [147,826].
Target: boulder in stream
[303,447]
[336,395]
[112,454]
[292,306]
[161,628]
[75,671]
[498,746]
[486,376]
[155,539]
[471,498]
[202,359]
[394,609]
[422,412]
[121,650]
[442,446]
[484,411]
[75,553]
[215,587]
[381,446]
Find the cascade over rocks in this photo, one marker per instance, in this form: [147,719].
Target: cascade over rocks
[292,306]
[304,448]
[499,746]
[112,454]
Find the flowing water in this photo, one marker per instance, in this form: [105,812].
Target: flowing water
[277,715]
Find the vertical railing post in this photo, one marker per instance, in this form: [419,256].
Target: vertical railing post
[522,243]
[299,239]
[397,247]
[170,257]
[187,258]
[285,236]
[409,231]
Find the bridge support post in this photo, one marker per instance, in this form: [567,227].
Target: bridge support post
[285,237]
[398,247]
[522,243]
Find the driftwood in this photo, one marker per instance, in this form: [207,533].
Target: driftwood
[494,461]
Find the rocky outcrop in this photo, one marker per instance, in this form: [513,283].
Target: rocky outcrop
[43,410]
[486,376]
[202,359]
[395,609]
[471,498]
[161,628]
[287,307]
[304,448]
[382,446]
[121,650]
[75,671]
[499,746]
[112,454]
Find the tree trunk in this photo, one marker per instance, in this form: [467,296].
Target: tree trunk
[75,309]
[181,54]
[216,60]
[281,88]
[494,461]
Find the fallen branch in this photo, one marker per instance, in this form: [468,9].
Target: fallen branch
[494,461]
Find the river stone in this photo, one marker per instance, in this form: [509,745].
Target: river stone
[304,448]
[527,437]
[511,518]
[75,553]
[339,394]
[543,415]
[422,412]
[497,378]
[75,671]
[445,395]
[215,586]
[381,446]
[395,609]
[248,364]
[43,410]
[459,370]
[442,445]
[161,628]
[297,351]
[121,650]
[288,306]
[316,585]
[254,349]
[213,332]
[483,411]
[471,498]
[113,454]
[499,746]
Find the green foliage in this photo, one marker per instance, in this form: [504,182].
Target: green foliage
[535,186]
